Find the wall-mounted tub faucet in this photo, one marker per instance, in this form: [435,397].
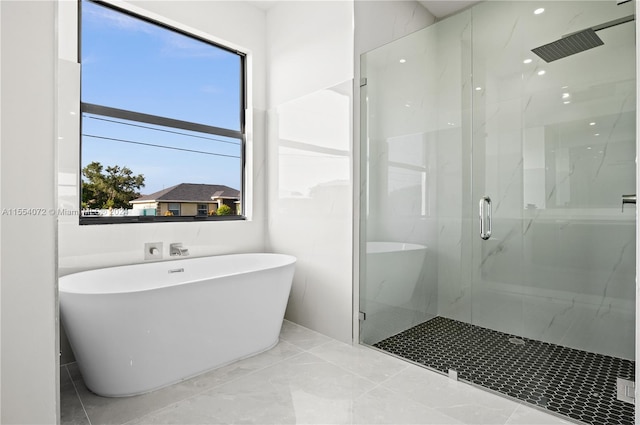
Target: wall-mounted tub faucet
[176,250]
[628,199]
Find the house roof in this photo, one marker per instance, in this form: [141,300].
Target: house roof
[190,192]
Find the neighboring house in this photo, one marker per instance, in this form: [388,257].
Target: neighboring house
[188,199]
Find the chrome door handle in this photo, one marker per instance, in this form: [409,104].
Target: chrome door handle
[485,217]
[628,199]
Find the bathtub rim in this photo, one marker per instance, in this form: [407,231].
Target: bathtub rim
[68,284]
[388,247]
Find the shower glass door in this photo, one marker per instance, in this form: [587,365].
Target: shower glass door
[415,162]
[554,150]
[494,242]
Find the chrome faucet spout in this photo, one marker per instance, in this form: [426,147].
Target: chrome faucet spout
[176,250]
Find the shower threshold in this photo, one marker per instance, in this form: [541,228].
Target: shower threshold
[572,383]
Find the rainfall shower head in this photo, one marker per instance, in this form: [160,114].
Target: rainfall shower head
[569,45]
[576,42]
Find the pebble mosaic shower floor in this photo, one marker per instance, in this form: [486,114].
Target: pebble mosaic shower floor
[569,382]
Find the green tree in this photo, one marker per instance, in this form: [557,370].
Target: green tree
[224,210]
[113,186]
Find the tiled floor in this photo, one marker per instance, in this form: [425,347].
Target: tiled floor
[307,378]
[574,383]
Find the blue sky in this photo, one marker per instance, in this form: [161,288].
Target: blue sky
[131,64]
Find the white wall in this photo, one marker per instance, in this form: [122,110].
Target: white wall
[92,246]
[310,48]
[637,229]
[29,381]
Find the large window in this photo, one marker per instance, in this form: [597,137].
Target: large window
[162,119]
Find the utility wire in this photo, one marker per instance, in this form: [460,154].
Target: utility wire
[160,129]
[158,146]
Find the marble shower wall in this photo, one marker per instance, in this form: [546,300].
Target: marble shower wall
[554,147]
[552,144]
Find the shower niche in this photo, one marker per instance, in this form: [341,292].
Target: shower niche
[461,113]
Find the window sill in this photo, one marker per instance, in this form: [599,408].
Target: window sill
[157,219]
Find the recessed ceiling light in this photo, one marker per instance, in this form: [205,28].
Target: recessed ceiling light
[566,102]
[478,88]
[565,95]
[592,123]
[403,60]
[539,11]
[589,147]
[542,72]
[407,105]
[527,60]
[597,134]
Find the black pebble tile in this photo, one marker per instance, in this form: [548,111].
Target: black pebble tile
[570,382]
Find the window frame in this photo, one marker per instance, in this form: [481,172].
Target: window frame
[198,209]
[172,210]
[141,117]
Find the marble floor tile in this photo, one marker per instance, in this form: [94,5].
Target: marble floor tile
[301,337]
[307,378]
[363,361]
[525,415]
[303,389]
[72,412]
[103,410]
[382,406]
[468,404]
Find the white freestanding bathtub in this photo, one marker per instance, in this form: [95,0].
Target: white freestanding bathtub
[134,329]
[393,270]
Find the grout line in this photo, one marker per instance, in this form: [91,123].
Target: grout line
[512,413]
[75,388]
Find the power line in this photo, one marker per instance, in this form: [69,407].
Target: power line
[159,146]
[160,129]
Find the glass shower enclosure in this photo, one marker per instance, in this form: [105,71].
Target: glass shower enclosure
[498,210]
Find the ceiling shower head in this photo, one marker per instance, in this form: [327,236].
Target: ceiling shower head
[569,45]
[576,42]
